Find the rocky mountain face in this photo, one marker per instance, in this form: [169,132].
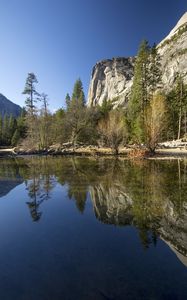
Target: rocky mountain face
[112,78]
[8,107]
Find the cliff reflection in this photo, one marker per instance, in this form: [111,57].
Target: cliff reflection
[150,195]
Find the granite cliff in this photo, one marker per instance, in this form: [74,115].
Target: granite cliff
[112,78]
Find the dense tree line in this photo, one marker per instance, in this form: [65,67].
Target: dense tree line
[12,129]
[150,117]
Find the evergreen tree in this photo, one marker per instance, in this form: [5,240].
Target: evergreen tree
[58,131]
[12,128]
[139,92]
[5,133]
[155,80]
[78,97]
[31,91]
[15,138]
[177,107]
[1,130]
[105,108]
[31,117]
[68,101]
[181,101]
[76,118]
[147,79]
[21,126]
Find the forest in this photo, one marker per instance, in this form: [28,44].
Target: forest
[151,115]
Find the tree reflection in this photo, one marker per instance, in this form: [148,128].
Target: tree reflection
[150,195]
[39,184]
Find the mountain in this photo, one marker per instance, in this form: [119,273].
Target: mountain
[112,78]
[8,107]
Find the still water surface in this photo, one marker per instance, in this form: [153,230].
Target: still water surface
[84,228]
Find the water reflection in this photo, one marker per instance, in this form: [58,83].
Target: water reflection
[39,183]
[150,195]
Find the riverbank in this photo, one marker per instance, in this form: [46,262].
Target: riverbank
[160,153]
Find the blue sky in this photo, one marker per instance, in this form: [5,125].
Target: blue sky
[61,40]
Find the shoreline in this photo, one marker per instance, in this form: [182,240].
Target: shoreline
[166,153]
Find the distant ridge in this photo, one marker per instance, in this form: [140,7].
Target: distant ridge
[8,107]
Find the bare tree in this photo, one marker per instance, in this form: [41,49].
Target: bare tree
[155,121]
[112,130]
[44,124]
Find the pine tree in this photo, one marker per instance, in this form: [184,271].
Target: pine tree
[105,108]
[5,132]
[12,128]
[21,125]
[181,101]
[155,80]
[30,90]
[58,131]
[15,138]
[139,92]
[177,107]
[68,101]
[1,130]
[76,116]
[78,96]
[31,117]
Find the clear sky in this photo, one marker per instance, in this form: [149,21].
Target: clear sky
[61,40]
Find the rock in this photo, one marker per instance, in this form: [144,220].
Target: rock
[173,52]
[181,22]
[112,78]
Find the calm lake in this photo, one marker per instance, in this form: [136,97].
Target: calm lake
[85,228]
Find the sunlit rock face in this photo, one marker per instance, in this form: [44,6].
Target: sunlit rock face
[112,79]
[173,52]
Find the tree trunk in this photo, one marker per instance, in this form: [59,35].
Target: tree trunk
[185,122]
[116,151]
[180,111]
[179,128]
